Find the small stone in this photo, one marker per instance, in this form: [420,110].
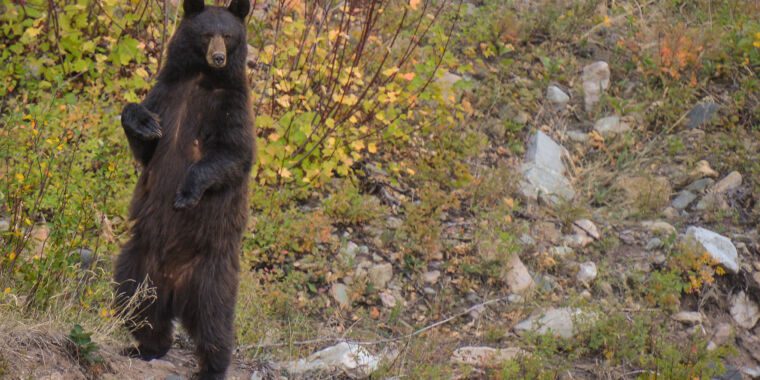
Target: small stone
[380,274]
[717,246]
[703,170]
[557,97]
[588,227]
[683,200]
[577,136]
[586,273]
[518,278]
[700,185]
[387,299]
[596,79]
[527,240]
[393,223]
[670,213]
[611,125]
[585,294]
[577,240]
[701,114]
[688,317]
[561,251]
[447,83]
[515,298]
[653,244]
[744,311]
[712,201]
[485,357]
[730,182]
[751,372]
[5,224]
[86,257]
[431,277]
[659,227]
[339,292]
[659,259]
[429,291]
[722,334]
[349,251]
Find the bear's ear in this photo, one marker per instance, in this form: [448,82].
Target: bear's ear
[240,8]
[192,7]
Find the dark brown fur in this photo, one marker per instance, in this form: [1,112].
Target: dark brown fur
[193,134]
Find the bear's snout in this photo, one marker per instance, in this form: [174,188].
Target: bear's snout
[216,55]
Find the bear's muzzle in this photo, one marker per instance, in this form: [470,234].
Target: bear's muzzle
[216,55]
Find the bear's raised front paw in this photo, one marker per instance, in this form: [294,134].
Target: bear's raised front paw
[140,122]
[185,200]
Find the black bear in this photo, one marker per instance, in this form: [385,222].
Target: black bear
[193,135]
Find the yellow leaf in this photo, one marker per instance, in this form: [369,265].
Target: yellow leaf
[372,148]
[273,137]
[357,145]
[141,72]
[390,71]
[414,4]
[284,173]
[284,101]
[7,291]
[20,177]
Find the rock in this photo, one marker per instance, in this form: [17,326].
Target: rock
[577,240]
[380,274]
[688,317]
[429,291]
[515,298]
[596,79]
[703,170]
[349,251]
[518,278]
[586,273]
[717,246]
[751,372]
[431,277]
[731,373]
[543,170]
[163,365]
[721,336]
[588,227]
[174,377]
[700,185]
[611,125]
[485,356]
[86,257]
[712,201]
[730,182]
[40,232]
[527,240]
[744,311]
[339,292]
[577,136]
[5,224]
[659,227]
[559,322]
[350,359]
[701,114]
[683,200]
[557,97]
[561,251]
[653,244]
[388,299]
[393,223]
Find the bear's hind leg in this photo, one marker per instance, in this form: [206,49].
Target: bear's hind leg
[149,320]
[209,316]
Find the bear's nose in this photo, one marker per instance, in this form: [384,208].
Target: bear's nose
[218,59]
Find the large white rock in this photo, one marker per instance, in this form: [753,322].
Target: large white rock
[349,358]
[560,322]
[596,79]
[717,246]
[586,273]
[744,311]
[543,170]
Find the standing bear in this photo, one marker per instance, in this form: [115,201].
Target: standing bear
[194,137]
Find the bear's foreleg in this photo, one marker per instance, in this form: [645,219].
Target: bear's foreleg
[215,170]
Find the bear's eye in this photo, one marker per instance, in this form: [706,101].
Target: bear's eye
[227,36]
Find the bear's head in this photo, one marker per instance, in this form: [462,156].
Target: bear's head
[210,36]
